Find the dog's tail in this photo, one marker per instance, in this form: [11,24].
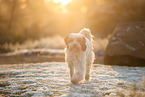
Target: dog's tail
[87,33]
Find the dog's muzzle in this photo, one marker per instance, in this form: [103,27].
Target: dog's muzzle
[74,47]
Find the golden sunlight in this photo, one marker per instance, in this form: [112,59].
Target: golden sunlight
[62,2]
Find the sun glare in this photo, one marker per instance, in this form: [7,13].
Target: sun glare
[62,2]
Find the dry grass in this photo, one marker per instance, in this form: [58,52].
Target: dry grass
[133,91]
[100,44]
[55,42]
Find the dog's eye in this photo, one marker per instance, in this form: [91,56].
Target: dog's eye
[79,39]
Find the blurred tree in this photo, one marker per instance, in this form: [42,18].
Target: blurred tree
[21,20]
[106,16]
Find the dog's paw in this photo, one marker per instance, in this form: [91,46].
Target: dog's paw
[75,82]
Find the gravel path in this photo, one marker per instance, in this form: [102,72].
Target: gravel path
[52,79]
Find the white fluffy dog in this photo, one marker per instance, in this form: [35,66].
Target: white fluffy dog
[79,55]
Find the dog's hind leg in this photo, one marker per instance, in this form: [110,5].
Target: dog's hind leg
[71,70]
[90,61]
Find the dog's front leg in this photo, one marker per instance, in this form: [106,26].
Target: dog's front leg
[79,73]
[87,76]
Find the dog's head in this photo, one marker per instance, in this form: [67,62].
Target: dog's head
[75,42]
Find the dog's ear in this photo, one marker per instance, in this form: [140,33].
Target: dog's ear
[83,44]
[66,39]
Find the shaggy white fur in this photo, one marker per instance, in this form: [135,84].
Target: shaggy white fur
[79,55]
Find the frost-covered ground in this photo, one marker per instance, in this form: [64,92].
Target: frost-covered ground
[52,79]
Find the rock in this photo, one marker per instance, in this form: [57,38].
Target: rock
[127,45]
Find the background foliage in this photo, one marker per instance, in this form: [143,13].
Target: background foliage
[21,20]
